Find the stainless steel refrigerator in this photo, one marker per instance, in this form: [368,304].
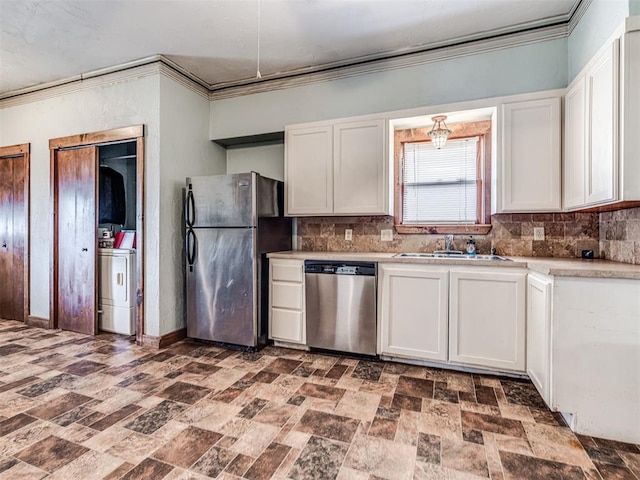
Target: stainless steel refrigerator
[231,222]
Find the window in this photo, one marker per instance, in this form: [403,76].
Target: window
[440,186]
[446,190]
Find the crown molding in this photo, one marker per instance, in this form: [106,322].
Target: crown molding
[437,54]
[81,83]
[155,65]
[168,69]
[577,14]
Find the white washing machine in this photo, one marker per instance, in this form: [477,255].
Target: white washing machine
[116,290]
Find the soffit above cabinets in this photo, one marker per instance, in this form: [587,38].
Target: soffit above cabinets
[217,41]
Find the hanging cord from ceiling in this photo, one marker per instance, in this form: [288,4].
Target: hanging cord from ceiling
[258,74]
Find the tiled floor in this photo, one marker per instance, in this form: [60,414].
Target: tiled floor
[77,407]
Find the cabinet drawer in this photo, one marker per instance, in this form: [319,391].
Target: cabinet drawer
[286,272]
[286,325]
[286,295]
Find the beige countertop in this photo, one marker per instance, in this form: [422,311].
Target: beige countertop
[564,267]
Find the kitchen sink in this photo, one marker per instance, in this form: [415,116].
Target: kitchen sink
[453,255]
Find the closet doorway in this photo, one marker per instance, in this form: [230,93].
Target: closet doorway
[97,184]
[14,232]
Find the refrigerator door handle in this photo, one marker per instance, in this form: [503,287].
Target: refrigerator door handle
[190,206]
[191,248]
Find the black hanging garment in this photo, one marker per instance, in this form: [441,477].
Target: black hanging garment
[113,207]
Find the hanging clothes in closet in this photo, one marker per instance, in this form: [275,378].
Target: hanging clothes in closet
[113,205]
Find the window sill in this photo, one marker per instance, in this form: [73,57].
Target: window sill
[444,229]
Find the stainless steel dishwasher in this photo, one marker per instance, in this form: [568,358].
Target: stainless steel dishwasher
[341,306]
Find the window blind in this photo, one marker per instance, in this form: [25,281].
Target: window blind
[440,186]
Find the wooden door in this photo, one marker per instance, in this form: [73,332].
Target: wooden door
[75,263]
[13,236]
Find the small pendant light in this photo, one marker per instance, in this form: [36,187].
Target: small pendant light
[439,132]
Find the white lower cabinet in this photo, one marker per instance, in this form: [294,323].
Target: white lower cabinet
[596,355]
[412,311]
[487,318]
[286,301]
[539,360]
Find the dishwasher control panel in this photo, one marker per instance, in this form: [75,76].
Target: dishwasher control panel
[339,268]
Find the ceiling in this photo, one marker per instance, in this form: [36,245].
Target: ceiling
[218,41]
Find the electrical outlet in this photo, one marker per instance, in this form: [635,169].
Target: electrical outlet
[538,233]
[348,234]
[386,235]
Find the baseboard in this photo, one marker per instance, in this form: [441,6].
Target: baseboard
[37,322]
[165,340]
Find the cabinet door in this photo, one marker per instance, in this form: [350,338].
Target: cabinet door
[360,169]
[602,128]
[309,170]
[413,311]
[487,319]
[539,334]
[531,156]
[573,178]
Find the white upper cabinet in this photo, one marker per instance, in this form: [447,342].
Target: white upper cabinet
[337,168]
[629,151]
[529,180]
[602,126]
[602,121]
[360,173]
[573,180]
[309,170]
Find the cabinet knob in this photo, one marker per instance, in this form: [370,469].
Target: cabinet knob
[85,249]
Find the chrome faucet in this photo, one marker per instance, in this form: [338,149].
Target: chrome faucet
[448,242]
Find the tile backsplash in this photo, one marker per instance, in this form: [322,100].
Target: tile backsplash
[566,235]
[620,235]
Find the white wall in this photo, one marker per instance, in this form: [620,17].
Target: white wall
[176,123]
[596,26]
[267,160]
[110,105]
[527,68]
[185,150]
